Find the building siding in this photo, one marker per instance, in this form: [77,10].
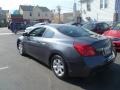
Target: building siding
[43,14]
[105,14]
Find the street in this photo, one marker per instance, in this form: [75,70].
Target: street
[25,73]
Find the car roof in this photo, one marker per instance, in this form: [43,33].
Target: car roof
[95,22]
[53,26]
[39,24]
[58,25]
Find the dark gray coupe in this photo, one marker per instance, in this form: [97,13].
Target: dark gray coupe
[67,49]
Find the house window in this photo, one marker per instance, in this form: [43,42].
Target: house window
[106,3]
[38,14]
[88,6]
[30,13]
[101,4]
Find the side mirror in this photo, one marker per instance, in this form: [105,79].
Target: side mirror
[25,34]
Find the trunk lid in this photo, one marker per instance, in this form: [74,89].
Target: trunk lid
[101,44]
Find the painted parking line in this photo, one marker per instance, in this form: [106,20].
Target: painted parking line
[6,33]
[2,68]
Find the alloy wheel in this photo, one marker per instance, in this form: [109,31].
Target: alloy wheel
[59,66]
[20,48]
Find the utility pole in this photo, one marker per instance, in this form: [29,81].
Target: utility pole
[53,15]
[74,11]
[59,13]
[81,1]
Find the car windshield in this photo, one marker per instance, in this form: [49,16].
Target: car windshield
[73,31]
[116,26]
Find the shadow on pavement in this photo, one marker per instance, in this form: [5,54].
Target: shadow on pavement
[118,51]
[107,80]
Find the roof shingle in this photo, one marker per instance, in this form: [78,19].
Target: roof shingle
[30,8]
[26,8]
[44,9]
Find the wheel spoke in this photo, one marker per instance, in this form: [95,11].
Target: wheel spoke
[56,62]
[54,66]
[57,71]
[59,61]
[61,66]
[61,72]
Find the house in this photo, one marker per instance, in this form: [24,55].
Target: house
[69,16]
[35,13]
[101,10]
[3,17]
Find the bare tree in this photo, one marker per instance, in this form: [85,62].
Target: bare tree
[59,12]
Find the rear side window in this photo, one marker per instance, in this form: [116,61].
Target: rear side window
[92,26]
[73,31]
[86,26]
[102,26]
[89,26]
[48,33]
[116,26]
[106,25]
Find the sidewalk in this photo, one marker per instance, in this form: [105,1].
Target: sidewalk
[5,30]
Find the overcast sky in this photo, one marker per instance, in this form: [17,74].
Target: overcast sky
[66,5]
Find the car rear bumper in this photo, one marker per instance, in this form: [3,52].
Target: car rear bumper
[76,69]
[86,71]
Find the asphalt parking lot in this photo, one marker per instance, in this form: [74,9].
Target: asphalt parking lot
[25,73]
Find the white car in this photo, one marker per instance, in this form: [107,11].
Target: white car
[38,24]
[28,29]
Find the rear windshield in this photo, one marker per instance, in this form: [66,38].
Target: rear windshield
[116,26]
[74,31]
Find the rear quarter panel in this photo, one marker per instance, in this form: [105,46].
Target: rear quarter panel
[63,47]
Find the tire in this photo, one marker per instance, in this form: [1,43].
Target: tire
[58,67]
[21,49]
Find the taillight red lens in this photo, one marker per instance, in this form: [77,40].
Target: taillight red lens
[84,50]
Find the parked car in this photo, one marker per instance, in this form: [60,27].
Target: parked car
[98,27]
[75,23]
[38,24]
[110,23]
[28,29]
[114,34]
[67,49]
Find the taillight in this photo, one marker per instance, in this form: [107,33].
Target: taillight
[84,50]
